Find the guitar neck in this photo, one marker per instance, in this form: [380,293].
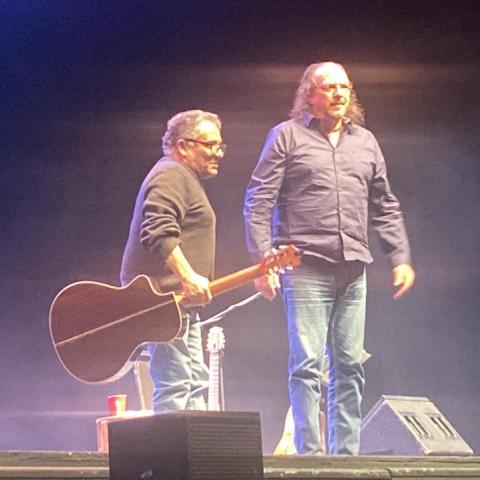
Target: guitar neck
[215,387]
[237,279]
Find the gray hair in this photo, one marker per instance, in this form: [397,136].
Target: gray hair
[185,125]
[301,103]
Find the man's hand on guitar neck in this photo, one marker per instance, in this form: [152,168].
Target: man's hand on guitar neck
[267,285]
[195,287]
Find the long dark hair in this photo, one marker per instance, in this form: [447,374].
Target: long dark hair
[301,102]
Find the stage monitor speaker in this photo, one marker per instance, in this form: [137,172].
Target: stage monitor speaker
[398,425]
[187,446]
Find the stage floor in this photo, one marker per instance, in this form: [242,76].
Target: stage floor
[85,465]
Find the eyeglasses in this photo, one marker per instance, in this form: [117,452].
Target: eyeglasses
[214,147]
[332,87]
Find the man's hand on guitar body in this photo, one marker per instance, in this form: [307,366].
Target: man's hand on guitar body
[195,287]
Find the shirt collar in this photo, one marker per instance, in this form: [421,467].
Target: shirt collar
[309,121]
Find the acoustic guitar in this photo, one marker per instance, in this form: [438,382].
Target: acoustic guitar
[96,328]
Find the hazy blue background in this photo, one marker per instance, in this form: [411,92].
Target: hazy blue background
[86,90]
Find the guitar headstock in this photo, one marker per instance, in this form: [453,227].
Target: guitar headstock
[283,258]
[215,340]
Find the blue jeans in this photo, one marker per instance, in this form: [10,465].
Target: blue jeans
[325,308]
[178,371]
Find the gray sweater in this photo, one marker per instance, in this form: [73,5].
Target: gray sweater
[171,209]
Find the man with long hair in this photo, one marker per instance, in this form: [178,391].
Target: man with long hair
[318,176]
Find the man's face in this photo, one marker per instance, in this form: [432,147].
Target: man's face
[203,151]
[331,96]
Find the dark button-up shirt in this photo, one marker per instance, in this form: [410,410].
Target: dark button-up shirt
[306,192]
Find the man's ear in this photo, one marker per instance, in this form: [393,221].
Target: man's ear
[181,146]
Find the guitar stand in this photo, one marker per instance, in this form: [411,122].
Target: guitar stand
[143,381]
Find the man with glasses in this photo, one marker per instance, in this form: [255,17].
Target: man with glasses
[172,239]
[317,177]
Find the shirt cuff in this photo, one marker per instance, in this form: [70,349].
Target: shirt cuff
[400,258]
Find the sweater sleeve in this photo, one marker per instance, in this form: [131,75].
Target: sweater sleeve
[165,202]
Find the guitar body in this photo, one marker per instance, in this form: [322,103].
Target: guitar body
[95,328]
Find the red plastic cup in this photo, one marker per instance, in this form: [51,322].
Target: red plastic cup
[117,404]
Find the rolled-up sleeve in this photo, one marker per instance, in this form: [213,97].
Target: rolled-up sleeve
[164,207]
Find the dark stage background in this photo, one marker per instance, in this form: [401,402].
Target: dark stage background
[86,90]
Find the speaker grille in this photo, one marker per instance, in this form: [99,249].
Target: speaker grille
[225,451]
